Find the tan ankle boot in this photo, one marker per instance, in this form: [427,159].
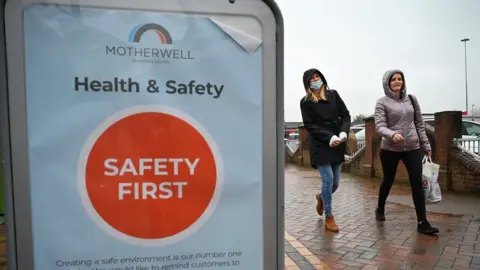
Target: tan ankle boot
[319,204]
[330,224]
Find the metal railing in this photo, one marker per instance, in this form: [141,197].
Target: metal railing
[291,146]
[360,149]
[360,143]
[470,146]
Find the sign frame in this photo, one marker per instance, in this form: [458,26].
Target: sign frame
[14,139]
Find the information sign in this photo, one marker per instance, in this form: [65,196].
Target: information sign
[143,135]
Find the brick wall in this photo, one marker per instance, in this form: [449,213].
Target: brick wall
[444,139]
[357,166]
[464,180]
[458,171]
[302,157]
[464,173]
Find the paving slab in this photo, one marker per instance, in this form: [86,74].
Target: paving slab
[364,243]
[451,204]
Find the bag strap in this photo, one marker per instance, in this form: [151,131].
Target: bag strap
[412,100]
[427,159]
[413,105]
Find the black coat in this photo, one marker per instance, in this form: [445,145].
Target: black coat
[323,120]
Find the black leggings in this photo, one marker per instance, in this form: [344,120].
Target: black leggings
[413,163]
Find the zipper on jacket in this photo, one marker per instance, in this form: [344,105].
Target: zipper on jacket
[404,135]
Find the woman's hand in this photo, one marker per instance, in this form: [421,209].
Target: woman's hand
[397,137]
[429,153]
[335,141]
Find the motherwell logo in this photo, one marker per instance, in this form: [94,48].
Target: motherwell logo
[164,52]
[139,30]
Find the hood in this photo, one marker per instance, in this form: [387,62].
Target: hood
[308,74]
[386,83]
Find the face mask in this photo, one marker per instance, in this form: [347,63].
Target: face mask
[316,85]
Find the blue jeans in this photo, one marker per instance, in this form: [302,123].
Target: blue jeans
[330,174]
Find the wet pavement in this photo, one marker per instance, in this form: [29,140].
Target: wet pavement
[362,243]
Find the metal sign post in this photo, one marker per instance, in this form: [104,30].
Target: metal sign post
[143,135]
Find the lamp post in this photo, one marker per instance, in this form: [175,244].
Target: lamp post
[465,40]
[473,112]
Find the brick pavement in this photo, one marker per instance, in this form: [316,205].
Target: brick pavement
[362,242]
[365,244]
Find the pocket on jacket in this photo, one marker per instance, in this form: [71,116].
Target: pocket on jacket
[412,138]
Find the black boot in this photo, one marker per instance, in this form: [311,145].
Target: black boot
[380,214]
[425,228]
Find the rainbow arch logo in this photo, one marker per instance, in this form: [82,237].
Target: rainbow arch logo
[137,32]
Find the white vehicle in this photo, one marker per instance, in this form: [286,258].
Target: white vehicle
[293,136]
[357,128]
[360,136]
[470,136]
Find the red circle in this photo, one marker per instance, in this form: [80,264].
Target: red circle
[159,141]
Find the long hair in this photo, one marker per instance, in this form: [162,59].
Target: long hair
[316,96]
[311,95]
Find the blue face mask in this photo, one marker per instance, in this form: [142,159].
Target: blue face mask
[316,85]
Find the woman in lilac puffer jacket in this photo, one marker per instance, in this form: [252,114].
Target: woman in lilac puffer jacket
[398,119]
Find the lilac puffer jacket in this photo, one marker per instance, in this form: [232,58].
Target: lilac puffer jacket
[396,115]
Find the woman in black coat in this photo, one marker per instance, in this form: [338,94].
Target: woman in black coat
[327,121]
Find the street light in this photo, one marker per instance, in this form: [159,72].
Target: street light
[466,78]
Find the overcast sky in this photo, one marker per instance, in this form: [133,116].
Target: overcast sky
[353,42]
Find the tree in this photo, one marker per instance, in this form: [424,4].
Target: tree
[359,119]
